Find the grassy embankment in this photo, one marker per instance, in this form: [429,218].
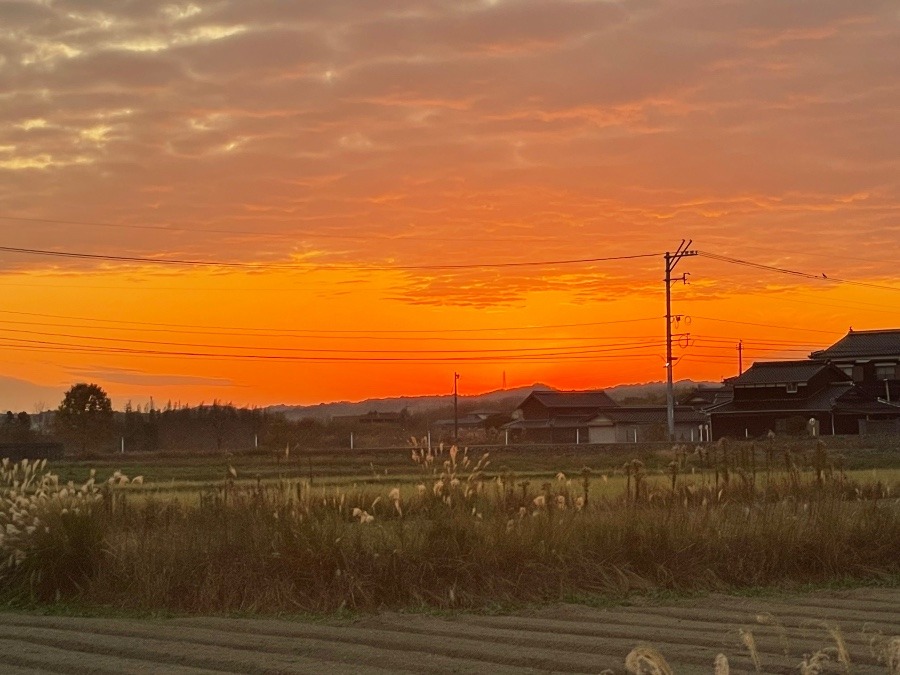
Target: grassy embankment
[448,531]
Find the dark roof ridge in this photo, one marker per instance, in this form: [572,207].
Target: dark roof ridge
[792,362]
[874,330]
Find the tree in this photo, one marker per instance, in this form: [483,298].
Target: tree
[15,428]
[85,414]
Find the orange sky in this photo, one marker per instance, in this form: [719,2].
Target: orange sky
[343,151]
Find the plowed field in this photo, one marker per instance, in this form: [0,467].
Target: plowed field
[560,638]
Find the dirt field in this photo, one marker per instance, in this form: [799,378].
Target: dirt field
[561,638]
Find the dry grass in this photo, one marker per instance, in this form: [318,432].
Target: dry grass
[644,660]
[457,536]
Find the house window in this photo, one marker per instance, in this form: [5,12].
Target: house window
[791,388]
[888,372]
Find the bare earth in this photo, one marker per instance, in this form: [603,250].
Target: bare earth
[560,638]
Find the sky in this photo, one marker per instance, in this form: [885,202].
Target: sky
[390,192]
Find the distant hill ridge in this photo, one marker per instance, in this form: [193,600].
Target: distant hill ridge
[501,400]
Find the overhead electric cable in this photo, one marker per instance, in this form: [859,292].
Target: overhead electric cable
[765,325]
[317,350]
[182,262]
[15,343]
[324,335]
[334,332]
[804,275]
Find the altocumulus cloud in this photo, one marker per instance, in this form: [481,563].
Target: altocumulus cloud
[754,120]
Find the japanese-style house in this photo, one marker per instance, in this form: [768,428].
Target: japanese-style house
[871,358]
[706,395]
[797,397]
[594,417]
[633,424]
[558,416]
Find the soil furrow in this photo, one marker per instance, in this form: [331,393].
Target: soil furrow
[37,657]
[561,638]
[596,638]
[787,615]
[592,653]
[888,607]
[171,653]
[348,650]
[489,653]
[575,637]
[886,595]
[587,621]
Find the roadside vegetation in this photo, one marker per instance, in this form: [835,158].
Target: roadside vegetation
[450,531]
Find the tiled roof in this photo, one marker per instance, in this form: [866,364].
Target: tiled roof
[823,400]
[856,400]
[618,415]
[779,372]
[840,397]
[463,421]
[574,399]
[706,397]
[862,343]
[652,415]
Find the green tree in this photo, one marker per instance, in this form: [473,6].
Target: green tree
[85,415]
[15,428]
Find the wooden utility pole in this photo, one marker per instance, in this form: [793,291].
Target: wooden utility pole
[455,408]
[740,351]
[671,261]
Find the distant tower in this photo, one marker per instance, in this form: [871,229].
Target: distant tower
[504,379]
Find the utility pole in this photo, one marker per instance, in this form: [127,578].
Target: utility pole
[671,261]
[455,408]
[740,350]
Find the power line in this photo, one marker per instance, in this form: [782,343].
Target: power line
[326,336]
[752,349]
[815,254]
[436,334]
[731,339]
[316,350]
[764,325]
[52,346]
[182,262]
[394,331]
[804,275]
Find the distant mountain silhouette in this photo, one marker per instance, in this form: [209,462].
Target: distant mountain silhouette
[501,400]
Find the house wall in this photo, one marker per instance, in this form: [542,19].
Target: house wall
[815,384]
[646,433]
[532,409]
[759,424]
[879,427]
[868,377]
[567,435]
[602,435]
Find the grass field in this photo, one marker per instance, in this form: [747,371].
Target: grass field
[336,465]
[322,532]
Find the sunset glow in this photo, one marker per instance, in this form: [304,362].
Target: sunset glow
[367,180]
